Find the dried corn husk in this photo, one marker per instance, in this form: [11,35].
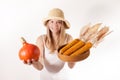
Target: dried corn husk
[84,30]
[91,32]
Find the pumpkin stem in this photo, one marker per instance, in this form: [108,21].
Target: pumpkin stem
[23,40]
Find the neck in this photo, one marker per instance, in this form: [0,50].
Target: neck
[55,36]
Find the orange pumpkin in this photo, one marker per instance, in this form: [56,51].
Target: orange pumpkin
[28,51]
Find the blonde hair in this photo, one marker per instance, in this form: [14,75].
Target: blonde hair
[51,43]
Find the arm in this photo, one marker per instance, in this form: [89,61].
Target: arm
[71,64]
[38,65]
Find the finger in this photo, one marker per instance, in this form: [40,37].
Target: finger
[25,62]
[29,62]
[33,60]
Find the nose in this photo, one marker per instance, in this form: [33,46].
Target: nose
[55,24]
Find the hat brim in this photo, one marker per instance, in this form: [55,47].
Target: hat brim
[58,18]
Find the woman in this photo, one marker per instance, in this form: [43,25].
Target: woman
[50,65]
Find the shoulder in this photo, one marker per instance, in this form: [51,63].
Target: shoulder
[40,39]
[68,35]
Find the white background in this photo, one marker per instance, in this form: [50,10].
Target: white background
[23,18]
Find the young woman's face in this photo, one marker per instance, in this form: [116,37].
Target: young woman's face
[55,25]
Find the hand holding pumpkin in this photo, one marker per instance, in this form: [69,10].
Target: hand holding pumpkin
[29,53]
[30,61]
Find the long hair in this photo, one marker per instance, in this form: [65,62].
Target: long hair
[51,43]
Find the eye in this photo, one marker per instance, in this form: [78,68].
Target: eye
[60,22]
[51,21]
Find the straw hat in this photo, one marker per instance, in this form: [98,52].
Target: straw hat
[58,14]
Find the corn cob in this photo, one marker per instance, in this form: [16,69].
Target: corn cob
[74,48]
[69,45]
[83,49]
